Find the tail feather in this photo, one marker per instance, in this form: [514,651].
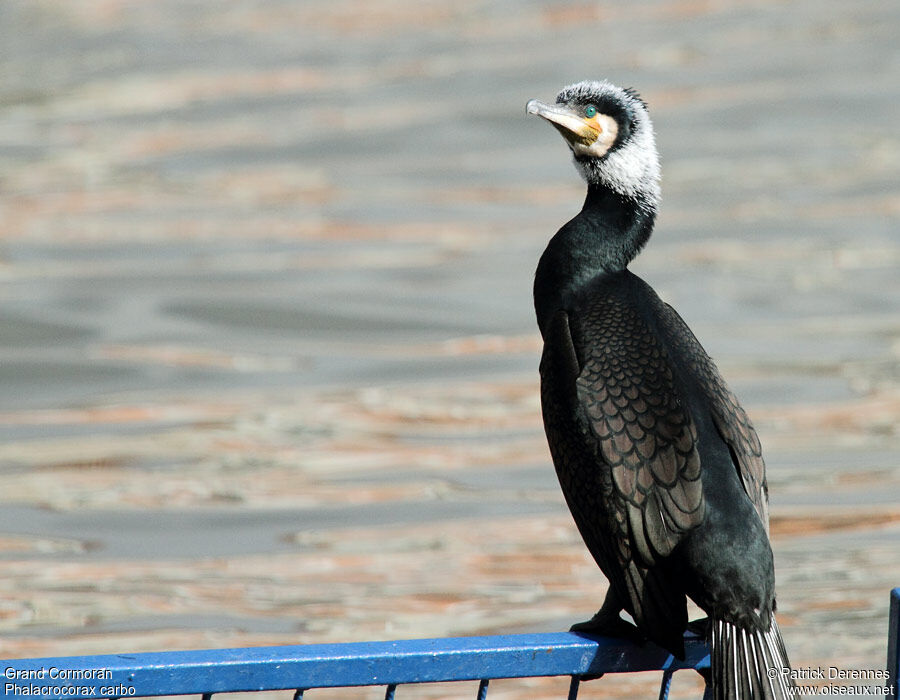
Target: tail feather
[749,664]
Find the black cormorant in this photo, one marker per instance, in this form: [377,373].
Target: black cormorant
[659,464]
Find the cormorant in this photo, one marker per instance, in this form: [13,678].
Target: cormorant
[659,464]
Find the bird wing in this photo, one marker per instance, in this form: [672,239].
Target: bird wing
[626,393]
[728,415]
[627,464]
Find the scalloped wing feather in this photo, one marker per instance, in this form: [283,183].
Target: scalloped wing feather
[729,416]
[626,391]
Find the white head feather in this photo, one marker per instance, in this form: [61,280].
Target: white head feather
[631,166]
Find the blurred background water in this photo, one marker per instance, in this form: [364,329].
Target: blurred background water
[268,363]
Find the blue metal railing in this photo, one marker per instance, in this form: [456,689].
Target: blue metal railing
[893,657]
[301,668]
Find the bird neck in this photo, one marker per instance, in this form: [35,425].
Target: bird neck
[603,238]
[612,228]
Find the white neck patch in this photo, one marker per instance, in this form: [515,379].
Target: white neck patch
[632,167]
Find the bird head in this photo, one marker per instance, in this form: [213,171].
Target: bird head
[610,134]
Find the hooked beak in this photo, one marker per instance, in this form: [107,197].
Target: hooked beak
[573,126]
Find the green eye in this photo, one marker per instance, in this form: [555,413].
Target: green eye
[590,111]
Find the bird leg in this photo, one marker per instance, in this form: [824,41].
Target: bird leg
[608,623]
[700,627]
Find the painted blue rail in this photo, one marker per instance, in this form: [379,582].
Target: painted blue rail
[893,659]
[301,668]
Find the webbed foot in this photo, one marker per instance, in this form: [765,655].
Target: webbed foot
[700,627]
[607,624]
